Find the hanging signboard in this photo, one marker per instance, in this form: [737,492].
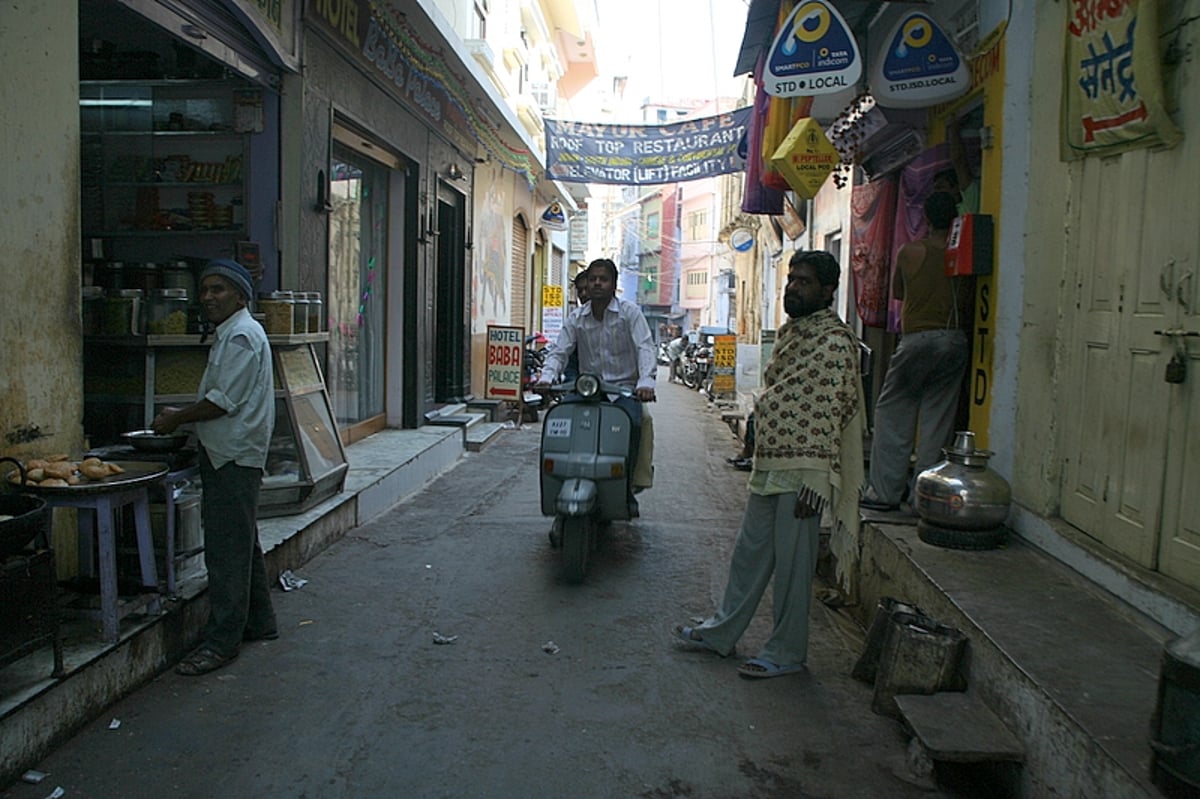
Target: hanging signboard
[505,350]
[805,157]
[1112,85]
[918,66]
[553,217]
[552,311]
[741,239]
[724,364]
[642,155]
[814,53]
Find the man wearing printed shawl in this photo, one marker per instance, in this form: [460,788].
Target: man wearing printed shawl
[808,463]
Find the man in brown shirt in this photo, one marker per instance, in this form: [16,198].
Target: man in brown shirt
[920,392]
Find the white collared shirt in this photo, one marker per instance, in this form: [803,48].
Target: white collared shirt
[619,348]
[240,380]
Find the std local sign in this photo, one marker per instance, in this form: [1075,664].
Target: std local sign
[814,53]
[505,349]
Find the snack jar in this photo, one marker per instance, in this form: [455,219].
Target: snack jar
[277,309]
[167,312]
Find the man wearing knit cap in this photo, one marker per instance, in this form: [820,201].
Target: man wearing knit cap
[233,416]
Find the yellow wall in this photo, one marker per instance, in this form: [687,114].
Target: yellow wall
[987,85]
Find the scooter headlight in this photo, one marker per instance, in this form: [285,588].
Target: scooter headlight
[587,386]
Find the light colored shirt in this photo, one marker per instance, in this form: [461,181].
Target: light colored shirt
[240,380]
[619,347]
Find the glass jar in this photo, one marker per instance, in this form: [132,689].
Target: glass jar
[93,310]
[299,312]
[123,313]
[167,313]
[277,308]
[147,277]
[112,275]
[178,275]
[316,310]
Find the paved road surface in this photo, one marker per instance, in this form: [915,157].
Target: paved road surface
[355,699]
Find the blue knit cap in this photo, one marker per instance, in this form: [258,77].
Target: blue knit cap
[232,271]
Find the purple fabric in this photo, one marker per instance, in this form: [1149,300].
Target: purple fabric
[915,184]
[757,198]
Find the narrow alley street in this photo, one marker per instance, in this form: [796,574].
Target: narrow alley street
[547,689]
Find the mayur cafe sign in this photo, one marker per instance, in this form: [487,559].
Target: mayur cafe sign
[642,155]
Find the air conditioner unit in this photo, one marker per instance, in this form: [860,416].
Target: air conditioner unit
[545,94]
[889,150]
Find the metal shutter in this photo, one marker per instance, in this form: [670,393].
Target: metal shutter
[520,271]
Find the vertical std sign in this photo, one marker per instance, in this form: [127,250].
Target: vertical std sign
[505,351]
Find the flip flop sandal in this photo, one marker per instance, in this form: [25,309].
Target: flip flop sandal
[202,661]
[758,669]
[692,638]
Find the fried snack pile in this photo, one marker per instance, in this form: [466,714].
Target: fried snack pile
[59,471]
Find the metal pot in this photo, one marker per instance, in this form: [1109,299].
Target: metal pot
[150,441]
[961,492]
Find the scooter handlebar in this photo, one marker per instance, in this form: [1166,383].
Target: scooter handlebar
[603,387]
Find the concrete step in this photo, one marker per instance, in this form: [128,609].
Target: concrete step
[463,419]
[478,435]
[1071,670]
[958,727]
[493,409]
[453,409]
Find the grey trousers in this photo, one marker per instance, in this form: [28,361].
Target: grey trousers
[920,392]
[771,541]
[239,595]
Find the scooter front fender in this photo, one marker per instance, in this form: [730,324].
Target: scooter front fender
[577,497]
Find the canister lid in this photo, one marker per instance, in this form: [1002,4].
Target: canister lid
[93,292]
[128,293]
[170,294]
[286,296]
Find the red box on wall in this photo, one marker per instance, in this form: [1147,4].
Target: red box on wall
[969,246]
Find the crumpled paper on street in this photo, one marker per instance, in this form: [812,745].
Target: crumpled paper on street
[289,581]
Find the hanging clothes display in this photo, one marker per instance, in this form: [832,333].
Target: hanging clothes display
[759,199]
[872,225]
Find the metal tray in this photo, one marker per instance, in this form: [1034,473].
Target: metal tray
[136,473]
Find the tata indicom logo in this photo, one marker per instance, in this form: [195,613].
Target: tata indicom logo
[813,53]
[918,65]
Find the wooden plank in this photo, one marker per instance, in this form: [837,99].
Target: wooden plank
[959,728]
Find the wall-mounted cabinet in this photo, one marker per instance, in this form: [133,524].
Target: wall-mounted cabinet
[164,169]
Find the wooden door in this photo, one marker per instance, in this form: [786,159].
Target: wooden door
[1115,438]
[1131,440]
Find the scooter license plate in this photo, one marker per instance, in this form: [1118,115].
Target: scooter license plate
[558,428]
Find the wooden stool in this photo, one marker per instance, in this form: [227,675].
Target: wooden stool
[98,524]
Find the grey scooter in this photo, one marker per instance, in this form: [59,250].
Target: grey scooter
[585,468]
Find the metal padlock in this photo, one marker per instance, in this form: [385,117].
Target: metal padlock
[1176,369]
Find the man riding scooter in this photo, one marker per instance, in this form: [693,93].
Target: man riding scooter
[613,342]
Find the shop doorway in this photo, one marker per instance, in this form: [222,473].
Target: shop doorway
[451,343]
[362,226]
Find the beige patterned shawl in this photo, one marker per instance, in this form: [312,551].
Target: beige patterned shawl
[809,418]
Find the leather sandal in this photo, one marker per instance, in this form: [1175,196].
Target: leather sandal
[202,661]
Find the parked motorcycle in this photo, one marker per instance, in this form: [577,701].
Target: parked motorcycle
[696,365]
[584,469]
[531,367]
